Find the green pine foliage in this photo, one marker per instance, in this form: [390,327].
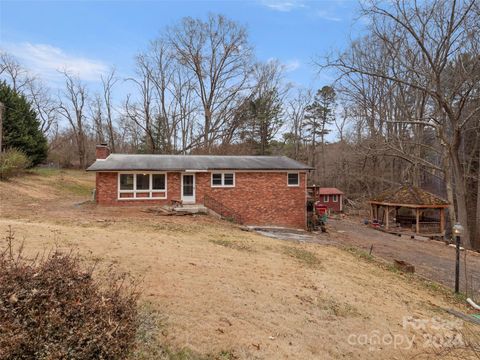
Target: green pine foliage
[21,128]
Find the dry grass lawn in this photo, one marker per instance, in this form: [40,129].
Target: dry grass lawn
[218,288]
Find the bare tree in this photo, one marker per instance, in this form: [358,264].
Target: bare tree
[96,108]
[72,108]
[140,110]
[16,75]
[165,108]
[295,113]
[32,88]
[45,105]
[108,83]
[432,48]
[186,109]
[217,53]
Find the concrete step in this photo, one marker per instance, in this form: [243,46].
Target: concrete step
[191,209]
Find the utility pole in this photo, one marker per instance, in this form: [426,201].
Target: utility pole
[2,111]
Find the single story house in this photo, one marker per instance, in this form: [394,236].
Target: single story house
[332,198]
[259,190]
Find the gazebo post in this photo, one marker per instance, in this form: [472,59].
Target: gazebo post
[418,221]
[387,223]
[442,221]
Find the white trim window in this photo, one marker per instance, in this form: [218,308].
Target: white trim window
[326,198]
[293,179]
[224,179]
[142,186]
[335,198]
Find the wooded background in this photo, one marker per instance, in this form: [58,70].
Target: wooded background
[404,108]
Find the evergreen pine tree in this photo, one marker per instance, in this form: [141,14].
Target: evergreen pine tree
[21,127]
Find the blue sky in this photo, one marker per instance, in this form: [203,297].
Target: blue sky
[89,37]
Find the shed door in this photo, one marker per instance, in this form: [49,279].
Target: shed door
[188,188]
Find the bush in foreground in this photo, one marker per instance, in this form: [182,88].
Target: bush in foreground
[53,309]
[12,163]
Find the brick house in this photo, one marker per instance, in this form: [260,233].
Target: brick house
[259,190]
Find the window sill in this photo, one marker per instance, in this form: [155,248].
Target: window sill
[142,198]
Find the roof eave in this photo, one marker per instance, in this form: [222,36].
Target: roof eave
[211,169]
[416,206]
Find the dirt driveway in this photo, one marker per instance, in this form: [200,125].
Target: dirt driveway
[432,259]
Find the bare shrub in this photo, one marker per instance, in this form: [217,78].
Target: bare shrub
[52,308]
[12,163]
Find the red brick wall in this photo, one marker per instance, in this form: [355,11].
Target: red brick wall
[333,206]
[102,151]
[261,198]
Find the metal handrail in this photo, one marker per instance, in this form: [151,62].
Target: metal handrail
[224,211]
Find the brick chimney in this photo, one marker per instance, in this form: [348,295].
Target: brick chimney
[102,151]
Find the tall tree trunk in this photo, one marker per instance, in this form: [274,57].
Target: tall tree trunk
[323,156]
[206,135]
[449,189]
[476,243]
[81,150]
[460,195]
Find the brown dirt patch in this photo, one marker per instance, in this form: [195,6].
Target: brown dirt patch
[256,297]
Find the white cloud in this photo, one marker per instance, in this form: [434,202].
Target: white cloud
[292,65]
[326,15]
[287,66]
[283,5]
[47,60]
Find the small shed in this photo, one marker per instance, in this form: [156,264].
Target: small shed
[409,210]
[332,198]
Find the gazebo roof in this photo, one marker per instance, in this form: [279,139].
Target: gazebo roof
[409,196]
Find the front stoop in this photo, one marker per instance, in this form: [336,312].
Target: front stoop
[191,209]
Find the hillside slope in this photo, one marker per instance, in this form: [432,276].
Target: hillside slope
[220,289]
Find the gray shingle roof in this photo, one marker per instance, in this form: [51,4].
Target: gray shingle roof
[124,162]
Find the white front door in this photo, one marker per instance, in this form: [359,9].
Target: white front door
[188,188]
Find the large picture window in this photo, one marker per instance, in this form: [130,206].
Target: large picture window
[223,179]
[142,186]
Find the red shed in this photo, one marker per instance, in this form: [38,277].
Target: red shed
[331,197]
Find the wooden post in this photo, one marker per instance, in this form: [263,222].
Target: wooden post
[418,221]
[371,213]
[442,221]
[387,223]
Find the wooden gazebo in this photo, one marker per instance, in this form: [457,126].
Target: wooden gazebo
[409,210]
